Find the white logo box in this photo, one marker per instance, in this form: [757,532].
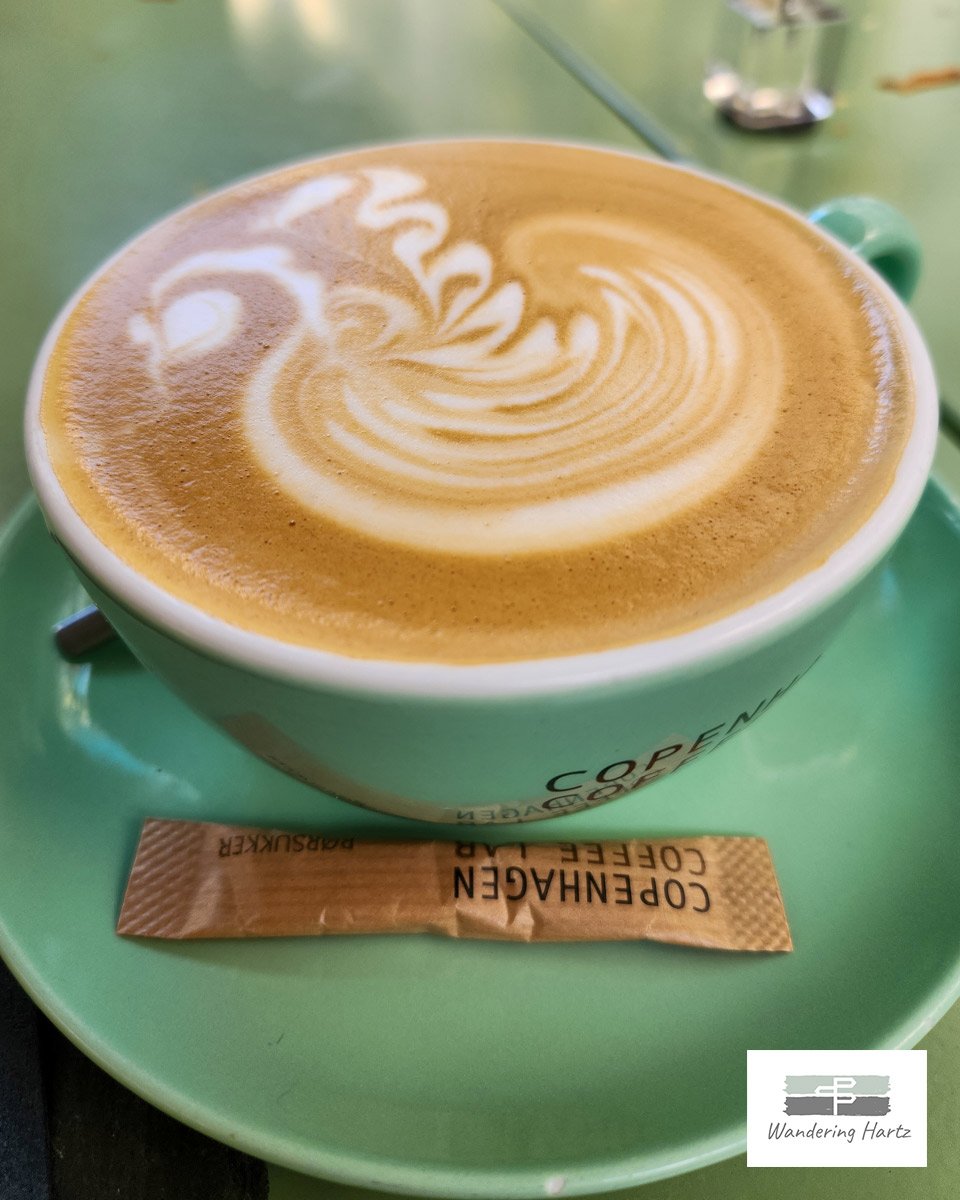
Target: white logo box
[836,1108]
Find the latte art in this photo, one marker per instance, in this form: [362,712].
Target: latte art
[476,401]
[455,416]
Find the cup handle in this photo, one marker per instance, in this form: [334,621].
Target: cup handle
[879,234]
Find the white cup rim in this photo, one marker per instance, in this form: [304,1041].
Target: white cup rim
[736,634]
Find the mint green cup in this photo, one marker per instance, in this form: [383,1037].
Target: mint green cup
[509,742]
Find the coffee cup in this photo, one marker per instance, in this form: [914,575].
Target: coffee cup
[483,482]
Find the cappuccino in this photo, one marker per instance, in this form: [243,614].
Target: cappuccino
[474,402]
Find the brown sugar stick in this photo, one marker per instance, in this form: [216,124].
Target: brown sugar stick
[193,880]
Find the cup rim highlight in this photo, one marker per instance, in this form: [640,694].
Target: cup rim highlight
[720,640]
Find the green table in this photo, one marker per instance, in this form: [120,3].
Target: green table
[116,111]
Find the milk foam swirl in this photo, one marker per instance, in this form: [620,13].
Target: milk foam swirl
[574,382]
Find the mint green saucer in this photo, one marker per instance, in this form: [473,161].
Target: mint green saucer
[480,1069]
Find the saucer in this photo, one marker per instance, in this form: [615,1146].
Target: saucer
[456,1068]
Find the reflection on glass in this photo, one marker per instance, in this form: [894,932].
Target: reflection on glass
[283,43]
[315,21]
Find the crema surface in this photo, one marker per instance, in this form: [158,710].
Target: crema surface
[476,401]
